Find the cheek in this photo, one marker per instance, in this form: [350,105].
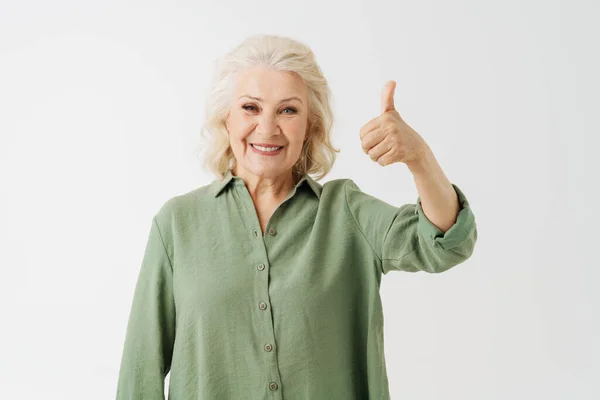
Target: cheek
[296,127]
[238,130]
[238,121]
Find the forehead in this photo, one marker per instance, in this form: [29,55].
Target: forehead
[269,84]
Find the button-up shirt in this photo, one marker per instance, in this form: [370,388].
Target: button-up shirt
[293,313]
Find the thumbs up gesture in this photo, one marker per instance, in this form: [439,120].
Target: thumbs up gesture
[387,138]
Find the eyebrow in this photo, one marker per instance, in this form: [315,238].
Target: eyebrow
[283,100]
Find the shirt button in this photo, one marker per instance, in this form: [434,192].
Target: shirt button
[272,231]
[268,347]
[273,386]
[262,306]
[261,266]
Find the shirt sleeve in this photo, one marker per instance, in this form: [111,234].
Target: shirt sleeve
[150,334]
[404,239]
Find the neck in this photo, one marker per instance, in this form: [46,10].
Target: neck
[267,188]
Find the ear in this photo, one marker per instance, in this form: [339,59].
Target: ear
[226,120]
[308,128]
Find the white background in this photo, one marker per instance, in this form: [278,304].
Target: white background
[101,105]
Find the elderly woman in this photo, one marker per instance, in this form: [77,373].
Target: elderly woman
[264,284]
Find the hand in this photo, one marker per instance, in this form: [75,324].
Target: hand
[387,139]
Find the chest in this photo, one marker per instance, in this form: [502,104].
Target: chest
[221,261]
[264,214]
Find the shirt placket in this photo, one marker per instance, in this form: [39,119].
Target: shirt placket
[261,287]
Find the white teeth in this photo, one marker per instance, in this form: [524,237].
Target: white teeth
[265,148]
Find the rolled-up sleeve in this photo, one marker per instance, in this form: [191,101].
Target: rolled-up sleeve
[404,239]
[150,334]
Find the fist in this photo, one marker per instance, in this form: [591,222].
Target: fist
[387,139]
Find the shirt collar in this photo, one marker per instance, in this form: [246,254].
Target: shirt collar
[219,185]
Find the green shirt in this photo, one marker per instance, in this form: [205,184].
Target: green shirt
[292,314]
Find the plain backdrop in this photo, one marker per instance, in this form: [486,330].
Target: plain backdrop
[101,104]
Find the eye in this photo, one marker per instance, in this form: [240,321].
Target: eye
[291,108]
[252,108]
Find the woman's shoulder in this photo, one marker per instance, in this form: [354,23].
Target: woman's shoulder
[180,206]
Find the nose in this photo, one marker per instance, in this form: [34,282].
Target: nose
[267,125]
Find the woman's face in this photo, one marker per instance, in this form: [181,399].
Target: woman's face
[276,116]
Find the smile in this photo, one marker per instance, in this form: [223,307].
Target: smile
[269,151]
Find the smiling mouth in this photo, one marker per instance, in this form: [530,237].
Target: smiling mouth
[267,147]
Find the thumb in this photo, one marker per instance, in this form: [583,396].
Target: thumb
[387,96]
